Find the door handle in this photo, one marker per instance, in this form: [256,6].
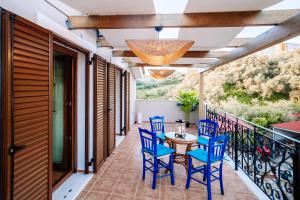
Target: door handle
[14,149]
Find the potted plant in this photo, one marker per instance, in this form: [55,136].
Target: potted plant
[188,102]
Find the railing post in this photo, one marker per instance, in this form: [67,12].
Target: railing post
[236,146]
[296,171]
[254,154]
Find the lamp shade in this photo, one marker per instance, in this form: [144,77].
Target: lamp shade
[159,52]
[160,73]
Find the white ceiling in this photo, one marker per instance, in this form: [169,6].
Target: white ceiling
[205,38]
[227,5]
[209,38]
[112,7]
[117,7]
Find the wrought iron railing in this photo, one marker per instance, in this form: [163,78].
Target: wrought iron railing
[270,159]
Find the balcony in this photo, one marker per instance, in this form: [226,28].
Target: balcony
[120,177]
[259,164]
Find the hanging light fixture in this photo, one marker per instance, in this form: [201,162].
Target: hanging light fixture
[160,73]
[159,52]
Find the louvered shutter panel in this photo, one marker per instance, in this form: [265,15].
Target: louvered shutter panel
[111,121]
[99,111]
[32,54]
[127,101]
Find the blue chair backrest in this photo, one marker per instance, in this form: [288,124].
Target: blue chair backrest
[157,124]
[208,128]
[217,147]
[148,141]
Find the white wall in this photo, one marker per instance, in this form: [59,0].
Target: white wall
[168,109]
[132,99]
[81,112]
[118,101]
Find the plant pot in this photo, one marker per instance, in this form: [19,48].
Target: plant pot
[187,124]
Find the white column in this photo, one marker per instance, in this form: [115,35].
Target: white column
[201,96]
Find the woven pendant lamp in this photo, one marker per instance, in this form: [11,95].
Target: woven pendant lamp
[159,52]
[161,73]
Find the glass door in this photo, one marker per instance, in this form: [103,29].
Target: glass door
[61,135]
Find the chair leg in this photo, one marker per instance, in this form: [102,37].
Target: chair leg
[204,173]
[155,165]
[221,178]
[144,167]
[208,169]
[172,169]
[188,180]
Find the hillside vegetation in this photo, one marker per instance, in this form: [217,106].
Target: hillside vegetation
[261,89]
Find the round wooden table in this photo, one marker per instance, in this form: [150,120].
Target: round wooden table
[188,140]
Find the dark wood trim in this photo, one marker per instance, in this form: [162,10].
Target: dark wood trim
[86,52]
[87,107]
[96,166]
[74,55]
[56,186]
[69,44]
[121,101]
[188,54]
[105,104]
[186,20]
[6,104]
[50,112]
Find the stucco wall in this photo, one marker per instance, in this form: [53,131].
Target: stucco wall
[168,109]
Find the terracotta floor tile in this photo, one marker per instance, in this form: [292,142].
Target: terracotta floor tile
[125,188]
[145,190]
[81,195]
[171,193]
[97,196]
[120,178]
[104,185]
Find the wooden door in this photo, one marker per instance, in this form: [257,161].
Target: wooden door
[127,102]
[111,105]
[100,115]
[31,103]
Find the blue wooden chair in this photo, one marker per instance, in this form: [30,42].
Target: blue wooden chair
[206,129]
[155,152]
[158,127]
[213,163]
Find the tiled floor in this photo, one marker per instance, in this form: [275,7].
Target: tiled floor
[120,178]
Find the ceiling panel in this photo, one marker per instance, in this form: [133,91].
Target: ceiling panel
[195,6]
[209,38]
[117,37]
[112,7]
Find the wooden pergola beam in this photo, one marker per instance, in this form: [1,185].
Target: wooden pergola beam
[198,65]
[237,42]
[186,20]
[284,31]
[188,54]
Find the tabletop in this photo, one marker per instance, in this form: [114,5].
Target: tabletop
[188,139]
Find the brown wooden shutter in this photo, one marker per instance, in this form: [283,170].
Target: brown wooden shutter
[99,111]
[32,110]
[127,102]
[111,119]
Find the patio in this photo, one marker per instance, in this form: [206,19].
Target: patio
[120,178]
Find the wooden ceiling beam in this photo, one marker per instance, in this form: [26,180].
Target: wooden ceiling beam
[237,42]
[284,31]
[188,54]
[186,20]
[199,65]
